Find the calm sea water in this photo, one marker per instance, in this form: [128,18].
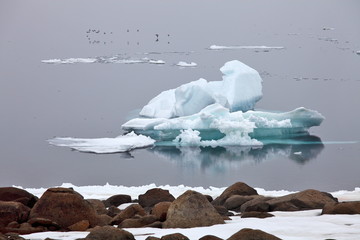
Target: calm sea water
[318,69]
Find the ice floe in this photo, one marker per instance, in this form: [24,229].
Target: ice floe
[113,59]
[104,145]
[186,64]
[217,47]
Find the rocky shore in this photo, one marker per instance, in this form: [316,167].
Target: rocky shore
[63,209]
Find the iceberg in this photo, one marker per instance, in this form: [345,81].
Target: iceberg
[219,113]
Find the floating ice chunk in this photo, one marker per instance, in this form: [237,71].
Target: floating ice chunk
[328,28]
[358,52]
[70,60]
[185,64]
[152,61]
[216,47]
[240,89]
[297,153]
[112,59]
[123,143]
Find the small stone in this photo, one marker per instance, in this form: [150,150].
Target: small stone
[174,236]
[256,215]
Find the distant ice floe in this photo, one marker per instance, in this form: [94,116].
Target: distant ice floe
[328,28]
[113,59]
[186,64]
[69,60]
[358,52]
[206,114]
[217,47]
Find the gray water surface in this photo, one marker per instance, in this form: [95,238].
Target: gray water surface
[317,69]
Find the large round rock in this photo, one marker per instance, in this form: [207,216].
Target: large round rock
[64,206]
[191,209]
[17,195]
[13,212]
[238,188]
[304,200]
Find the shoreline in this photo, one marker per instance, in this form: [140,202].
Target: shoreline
[309,214]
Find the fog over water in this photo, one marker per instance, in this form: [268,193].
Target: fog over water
[317,68]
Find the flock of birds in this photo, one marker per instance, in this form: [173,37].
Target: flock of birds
[93,36]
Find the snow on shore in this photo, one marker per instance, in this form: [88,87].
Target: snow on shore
[309,225]
[106,191]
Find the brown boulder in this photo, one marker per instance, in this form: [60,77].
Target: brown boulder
[342,208]
[258,203]
[51,225]
[304,200]
[109,233]
[156,224]
[160,210]
[98,205]
[104,220]
[174,236]
[129,212]
[223,211]
[113,211]
[137,222]
[80,226]
[191,209]
[17,195]
[65,207]
[210,237]
[154,196]
[256,215]
[25,228]
[234,202]
[11,236]
[13,211]
[117,200]
[252,234]
[238,188]
[13,225]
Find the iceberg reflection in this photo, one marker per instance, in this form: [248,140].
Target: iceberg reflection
[300,150]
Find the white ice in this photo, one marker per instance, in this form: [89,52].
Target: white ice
[70,60]
[186,64]
[240,89]
[217,47]
[299,225]
[123,143]
[235,126]
[112,59]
